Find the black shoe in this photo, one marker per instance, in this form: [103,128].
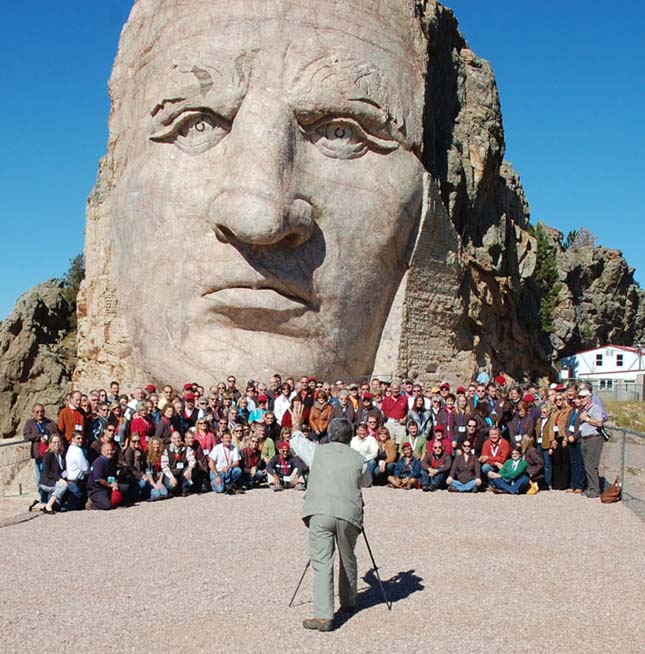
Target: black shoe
[425,489]
[32,505]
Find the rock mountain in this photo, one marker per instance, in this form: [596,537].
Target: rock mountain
[493,320]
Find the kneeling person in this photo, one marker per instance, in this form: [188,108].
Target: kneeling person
[224,464]
[435,467]
[284,471]
[407,470]
[102,488]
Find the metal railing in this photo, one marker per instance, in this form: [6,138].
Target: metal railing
[624,458]
[11,464]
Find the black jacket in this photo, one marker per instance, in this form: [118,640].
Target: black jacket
[52,470]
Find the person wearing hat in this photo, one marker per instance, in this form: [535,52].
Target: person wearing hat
[333,512]
[407,471]
[188,414]
[367,409]
[257,414]
[591,441]
[444,390]
[283,470]
[354,397]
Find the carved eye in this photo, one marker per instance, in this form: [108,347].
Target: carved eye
[194,132]
[339,138]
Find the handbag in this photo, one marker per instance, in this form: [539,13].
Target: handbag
[613,493]
[604,433]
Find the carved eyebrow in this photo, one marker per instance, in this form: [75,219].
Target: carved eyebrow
[193,82]
[329,84]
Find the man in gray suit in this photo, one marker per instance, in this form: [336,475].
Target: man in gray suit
[333,511]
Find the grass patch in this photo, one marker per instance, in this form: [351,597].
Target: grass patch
[629,415]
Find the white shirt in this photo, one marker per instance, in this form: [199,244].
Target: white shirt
[280,406]
[305,449]
[367,447]
[224,457]
[426,402]
[77,466]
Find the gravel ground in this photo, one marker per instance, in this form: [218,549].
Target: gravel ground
[479,573]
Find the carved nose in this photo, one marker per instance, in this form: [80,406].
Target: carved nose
[255,218]
[259,204]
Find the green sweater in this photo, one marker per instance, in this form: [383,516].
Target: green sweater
[508,474]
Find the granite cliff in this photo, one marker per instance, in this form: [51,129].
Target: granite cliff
[37,355]
[478,309]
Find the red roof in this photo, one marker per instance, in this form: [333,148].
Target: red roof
[625,348]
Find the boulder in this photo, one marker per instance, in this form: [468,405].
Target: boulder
[37,355]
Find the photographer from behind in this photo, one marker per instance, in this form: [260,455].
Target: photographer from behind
[333,512]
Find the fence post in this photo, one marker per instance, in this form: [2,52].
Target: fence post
[622,460]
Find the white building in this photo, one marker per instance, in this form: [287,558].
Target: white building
[606,366]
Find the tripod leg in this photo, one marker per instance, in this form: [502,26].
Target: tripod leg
[304,572]
[378,576]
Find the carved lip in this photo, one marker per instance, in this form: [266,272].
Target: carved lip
[270,296]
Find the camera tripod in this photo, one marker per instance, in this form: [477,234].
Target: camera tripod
[378,576]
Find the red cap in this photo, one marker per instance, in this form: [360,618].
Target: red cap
[188,387]
[406,444]
[445,384]
[312,379]
[150,388]
[262,398]
[189,397]
[461,390]
[283,444]
[438,428]
[367,396]
[528,398]
[501,380]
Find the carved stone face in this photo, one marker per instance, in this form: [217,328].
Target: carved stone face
[270,190]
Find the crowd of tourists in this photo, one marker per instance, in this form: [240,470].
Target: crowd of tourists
[106,449]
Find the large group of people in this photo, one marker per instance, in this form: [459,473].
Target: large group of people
[106,448]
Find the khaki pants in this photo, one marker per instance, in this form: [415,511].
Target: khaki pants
[324,532]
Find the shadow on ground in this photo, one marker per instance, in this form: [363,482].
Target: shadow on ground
[401,585]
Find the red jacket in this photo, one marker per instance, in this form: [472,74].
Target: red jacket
[498,453]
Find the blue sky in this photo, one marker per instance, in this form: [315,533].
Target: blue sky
[571,80]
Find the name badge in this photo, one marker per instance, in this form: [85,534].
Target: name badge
[572,429]
[462,429]
[117,438]
[206,452]
[518,438]
[78,427]
[180,466]
[556,429]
